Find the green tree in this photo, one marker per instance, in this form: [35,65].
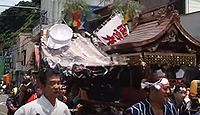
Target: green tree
[15,20]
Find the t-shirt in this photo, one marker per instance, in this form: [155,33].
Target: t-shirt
[42,106]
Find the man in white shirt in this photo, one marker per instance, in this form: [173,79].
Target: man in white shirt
[47,104]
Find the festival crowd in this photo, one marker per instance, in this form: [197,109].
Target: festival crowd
[46,94]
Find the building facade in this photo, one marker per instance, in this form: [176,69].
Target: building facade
[192,6]
[22,56]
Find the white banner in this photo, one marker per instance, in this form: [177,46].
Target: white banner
[113,30]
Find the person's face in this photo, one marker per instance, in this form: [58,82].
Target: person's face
[180,95]
[163,94]
[63,90]
[52,87]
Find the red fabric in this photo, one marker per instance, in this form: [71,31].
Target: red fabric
[33,97]
[76,18]
[37,55]
[7,78]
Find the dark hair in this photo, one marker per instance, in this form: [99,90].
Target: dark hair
[150,75]
[178,86]
[44,73]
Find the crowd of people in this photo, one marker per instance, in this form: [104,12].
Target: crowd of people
[46,95]
[43,95]
[164,99]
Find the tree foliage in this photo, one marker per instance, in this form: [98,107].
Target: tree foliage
[15,20]
[131,8]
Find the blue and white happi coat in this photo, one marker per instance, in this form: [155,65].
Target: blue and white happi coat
[144,108]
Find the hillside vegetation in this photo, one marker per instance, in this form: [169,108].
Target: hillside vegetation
[15,20]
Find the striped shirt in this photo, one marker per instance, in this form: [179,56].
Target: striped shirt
[144,108]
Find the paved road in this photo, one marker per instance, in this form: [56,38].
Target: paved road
[3,108]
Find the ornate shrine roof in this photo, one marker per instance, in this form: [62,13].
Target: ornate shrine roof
[150,27]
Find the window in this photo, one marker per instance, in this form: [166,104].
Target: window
[24,57]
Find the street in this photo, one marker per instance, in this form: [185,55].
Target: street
[3,108]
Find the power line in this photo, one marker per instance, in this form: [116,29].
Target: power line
[29,18]
[18,47]
[26,7]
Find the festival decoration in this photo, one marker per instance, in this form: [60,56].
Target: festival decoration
[74,10]
[112,30]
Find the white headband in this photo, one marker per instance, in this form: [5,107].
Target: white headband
[157,84]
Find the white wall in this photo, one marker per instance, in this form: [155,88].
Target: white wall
[192,6]
[54,9]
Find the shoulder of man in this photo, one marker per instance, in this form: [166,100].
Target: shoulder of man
[25,108]
[170,103]
[138,108]
[170,107]
[64,107]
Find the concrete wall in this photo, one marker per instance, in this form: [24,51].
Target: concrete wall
[24,42]
[28,46]
[54,10]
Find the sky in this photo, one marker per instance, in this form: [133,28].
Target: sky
[9,2]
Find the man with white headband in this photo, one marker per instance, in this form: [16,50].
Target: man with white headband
[157,102]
